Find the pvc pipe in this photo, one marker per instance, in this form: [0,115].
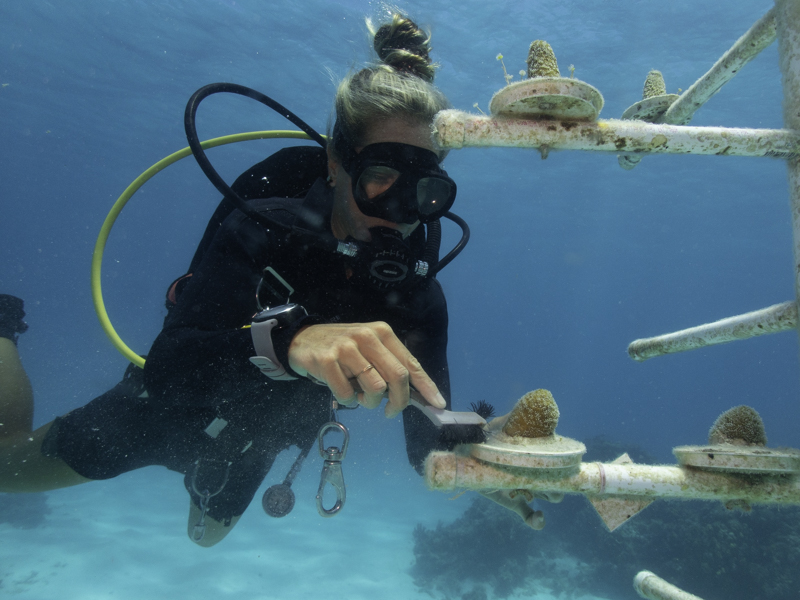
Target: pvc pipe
[788,20]
[773,319]
[450,471]
[746,48]
[651,586]
[457,129]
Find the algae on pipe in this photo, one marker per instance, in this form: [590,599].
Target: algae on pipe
[456,129]
[773,319]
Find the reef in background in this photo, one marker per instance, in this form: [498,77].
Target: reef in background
[699,546]
[25,511]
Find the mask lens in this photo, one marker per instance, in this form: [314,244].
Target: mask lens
[432,194]
[375,180]
[399,182]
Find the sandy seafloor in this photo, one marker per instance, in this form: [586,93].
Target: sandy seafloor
[126,538]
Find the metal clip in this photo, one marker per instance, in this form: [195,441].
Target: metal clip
[199,530]
[332,469]
[272,281]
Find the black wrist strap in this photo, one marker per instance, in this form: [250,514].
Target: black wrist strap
[281,340]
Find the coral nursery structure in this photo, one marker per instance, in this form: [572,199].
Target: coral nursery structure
[701,546]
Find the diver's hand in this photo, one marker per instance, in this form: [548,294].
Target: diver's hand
[337,352]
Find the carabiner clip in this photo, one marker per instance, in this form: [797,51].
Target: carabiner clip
[332,469]
[199,530]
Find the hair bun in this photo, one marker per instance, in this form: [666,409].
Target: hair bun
[403,46]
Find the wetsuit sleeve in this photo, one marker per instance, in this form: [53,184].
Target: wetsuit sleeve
[201,355]
[427,341]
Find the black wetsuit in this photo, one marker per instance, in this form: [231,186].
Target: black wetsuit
[198,373]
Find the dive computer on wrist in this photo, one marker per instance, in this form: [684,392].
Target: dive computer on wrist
[262,328]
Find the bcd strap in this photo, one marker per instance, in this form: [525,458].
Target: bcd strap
[289,173]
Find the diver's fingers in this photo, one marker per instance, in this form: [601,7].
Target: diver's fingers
[372,341]
[350,375]
[320,352]
[395,376]
[332,376]
[399,368]
[333,353]
[415,374]
[372,385]
[424,384]
[363,375]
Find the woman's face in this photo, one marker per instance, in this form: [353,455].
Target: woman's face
[347,219]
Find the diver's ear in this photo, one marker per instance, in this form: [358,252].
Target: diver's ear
[333,167]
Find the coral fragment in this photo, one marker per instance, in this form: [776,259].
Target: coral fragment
[740,425]
[535,415]
[541,60]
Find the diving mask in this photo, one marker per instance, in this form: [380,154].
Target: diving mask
[399,183]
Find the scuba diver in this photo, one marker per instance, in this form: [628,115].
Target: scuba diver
[270,331]
[364,330]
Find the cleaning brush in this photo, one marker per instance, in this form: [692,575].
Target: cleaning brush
[454,427]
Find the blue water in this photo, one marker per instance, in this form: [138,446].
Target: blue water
[570,259]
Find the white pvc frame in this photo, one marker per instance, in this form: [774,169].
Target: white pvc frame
[634,139]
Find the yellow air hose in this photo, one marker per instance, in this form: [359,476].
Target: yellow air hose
[105,230]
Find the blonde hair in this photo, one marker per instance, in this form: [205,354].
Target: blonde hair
[399,87]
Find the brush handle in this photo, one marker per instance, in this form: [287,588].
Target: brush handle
[415,397]
[438,416]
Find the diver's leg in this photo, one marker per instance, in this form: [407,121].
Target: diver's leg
[23,467]
[16,395]
[215,530]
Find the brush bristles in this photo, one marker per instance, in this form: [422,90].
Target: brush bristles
[451,436]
